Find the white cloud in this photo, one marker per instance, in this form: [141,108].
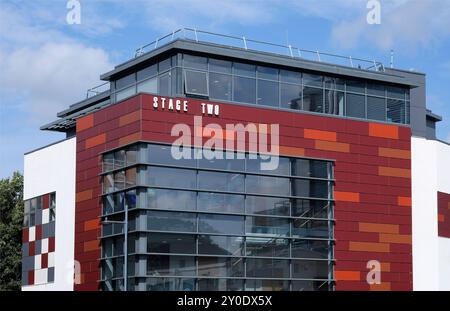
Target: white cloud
[42,69]
[407,23]
[168,15]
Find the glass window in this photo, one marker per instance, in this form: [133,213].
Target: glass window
[195,62]
[306,228]
[267,73]
[290,76]
[221,181]
[334,83]
[164,65]
[309,269]
[310,168]
[158,265]
[131,177]
[220,203]
[108,204]
[376,89]
[334,102]
[169,284]
[267,247]
[267,185]
[147,72]
[218,65]
[266,285]
[226,224]
[162,154]
[310,188]
[310,208]
[148,86]
[52,206]
[125,81]
[268,93]
[171,221]
[312,80]
[310,248]
[357,86]
[220,267]
[125,93]
[220,285]
[176,81]
[254,166]
[164,84]
[108,183]
[131,155]
[267,225]
[244,70]
[267,205]
[291,96]
[396,111]
[376,108]
[171,177]
[219,86]
[130,199]
[244,90]
[108,162]
[220,245]
[196,82]
[310,286]
[107,247]
[119,159]
[119,180]
[355,106]
[171,243]
[312,99]
[235,164]
[396,92]
[267,268]
[26,214]
[170,199]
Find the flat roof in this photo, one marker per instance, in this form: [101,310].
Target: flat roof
[199,47]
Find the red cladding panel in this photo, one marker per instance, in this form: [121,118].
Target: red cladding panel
[372,184]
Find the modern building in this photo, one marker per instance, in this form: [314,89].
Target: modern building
[359,200]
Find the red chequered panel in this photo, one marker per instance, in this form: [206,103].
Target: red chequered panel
[31,277]
[25,235]
[39,232]
[443,214]
[372,172]
[31,246]
[45,201]
[51,244]
[44,260]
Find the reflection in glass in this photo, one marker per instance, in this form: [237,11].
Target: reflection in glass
[267,268]
[267,226]
[267,185]
[291,96]
[220,267]
[244,90]
[225,224]
[313,99]
[159,265]
[220,203]
[267,247]
[219,86]
[171,221]
[220,245]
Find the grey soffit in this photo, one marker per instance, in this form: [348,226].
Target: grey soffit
[432,116]
[83,103]
[390,76]
[72,114]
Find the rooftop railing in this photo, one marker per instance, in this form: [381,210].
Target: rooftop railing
[97,89]
[249,44]
[257,45]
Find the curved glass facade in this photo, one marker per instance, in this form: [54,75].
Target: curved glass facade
[215,225]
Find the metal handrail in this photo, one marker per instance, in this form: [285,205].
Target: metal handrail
[97,89]
[244,42]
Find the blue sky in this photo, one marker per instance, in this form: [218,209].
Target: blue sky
[47,64]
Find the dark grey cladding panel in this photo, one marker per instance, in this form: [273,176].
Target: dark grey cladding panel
[24,277]
[25,249]
[393,76]
[28,263]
